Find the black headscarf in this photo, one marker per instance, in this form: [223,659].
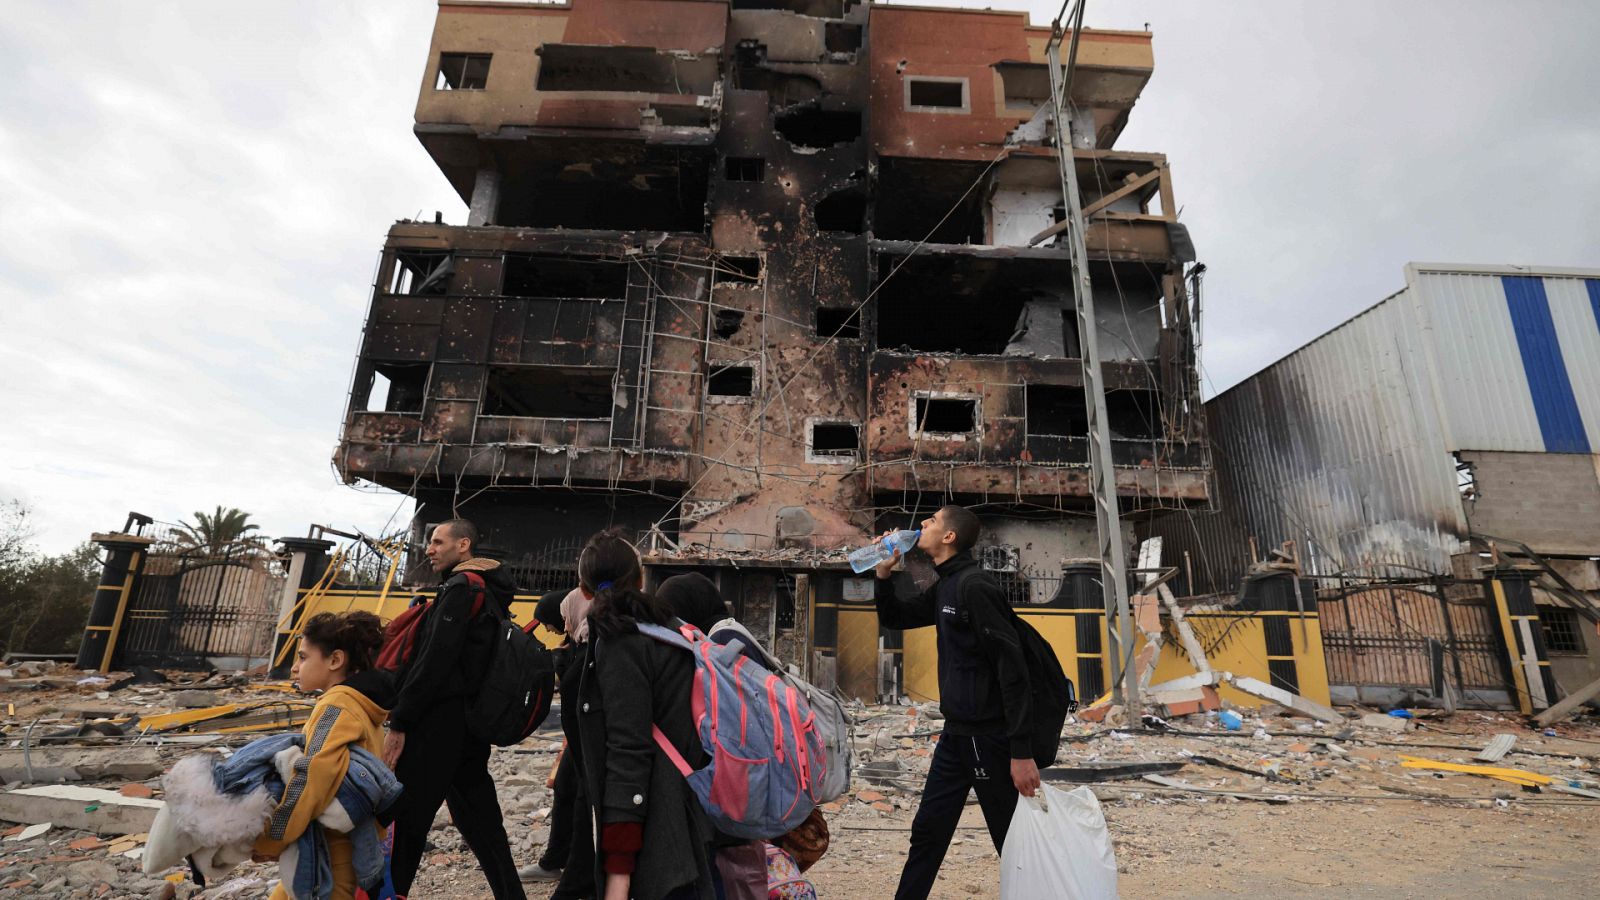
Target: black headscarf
[547,611]
[694,599]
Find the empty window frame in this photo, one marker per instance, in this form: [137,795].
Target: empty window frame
[1561,633]
[926,93]
[832,441]
[397,387]
[730,382]
[942,416]
[628,70]
[739,269]
[836,323]
[841,37]
[421,272]
[564,277]
[462,72]
[745,168]
[1056,410]
[549,392]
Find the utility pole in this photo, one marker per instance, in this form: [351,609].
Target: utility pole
[1113,561]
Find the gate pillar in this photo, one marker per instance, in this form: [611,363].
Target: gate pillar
[1524,640]
[125,556]
[308,562]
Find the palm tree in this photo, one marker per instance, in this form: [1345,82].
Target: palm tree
[224,528]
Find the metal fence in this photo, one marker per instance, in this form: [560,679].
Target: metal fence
[194,602]
[1378,634]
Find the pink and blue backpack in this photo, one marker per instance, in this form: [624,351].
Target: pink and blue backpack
[767,759]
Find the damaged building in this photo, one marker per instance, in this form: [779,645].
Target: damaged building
[759,278]
[1432,462]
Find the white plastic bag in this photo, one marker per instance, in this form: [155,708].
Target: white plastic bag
[1058,848]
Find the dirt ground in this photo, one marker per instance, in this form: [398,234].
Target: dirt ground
[1329,808]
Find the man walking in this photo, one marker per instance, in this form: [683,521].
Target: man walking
[429,746]
[984,693]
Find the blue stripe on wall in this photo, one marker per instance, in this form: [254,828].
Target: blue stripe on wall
[1594,298]
[1553,402]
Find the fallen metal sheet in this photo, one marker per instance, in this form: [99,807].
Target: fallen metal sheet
[1575,791]
[1497,748]
[1520,777]
[1242,795]
[1093,774]
[233,718]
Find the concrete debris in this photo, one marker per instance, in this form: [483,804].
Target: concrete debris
[194,699]
[71,806]
[1386,722]
[53,765]
[31,832]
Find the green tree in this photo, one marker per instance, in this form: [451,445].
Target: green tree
[44,600]
[216,532]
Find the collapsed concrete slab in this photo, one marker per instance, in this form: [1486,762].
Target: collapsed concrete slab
[53,765]
[71,806]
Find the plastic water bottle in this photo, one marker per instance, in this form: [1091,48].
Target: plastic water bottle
[876,552]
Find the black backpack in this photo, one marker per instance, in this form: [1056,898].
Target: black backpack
[1053,694]
[518,684]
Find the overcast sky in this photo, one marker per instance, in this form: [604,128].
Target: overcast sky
[193,196]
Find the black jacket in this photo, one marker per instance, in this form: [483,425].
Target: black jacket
[452,647]
[629,683]
[983,676]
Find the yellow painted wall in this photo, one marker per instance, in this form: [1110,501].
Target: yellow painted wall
[1244,653]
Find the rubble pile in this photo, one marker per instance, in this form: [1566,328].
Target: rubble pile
[81,758]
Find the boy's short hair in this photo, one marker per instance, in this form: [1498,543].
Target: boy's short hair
[964,522]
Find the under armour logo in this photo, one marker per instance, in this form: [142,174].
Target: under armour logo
[980,773]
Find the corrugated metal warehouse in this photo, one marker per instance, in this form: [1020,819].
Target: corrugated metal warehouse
[1466,404]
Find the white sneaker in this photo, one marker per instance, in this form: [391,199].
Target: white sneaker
[537,872]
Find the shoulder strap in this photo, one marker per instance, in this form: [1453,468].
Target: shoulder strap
[475,581]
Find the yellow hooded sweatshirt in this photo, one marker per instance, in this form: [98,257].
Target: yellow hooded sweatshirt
[345,716]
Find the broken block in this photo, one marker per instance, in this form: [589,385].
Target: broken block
[87,809]
[52,765]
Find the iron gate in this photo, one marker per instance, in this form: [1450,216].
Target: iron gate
[1378,634]
[191,604]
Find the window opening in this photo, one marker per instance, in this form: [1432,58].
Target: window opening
[832,441]
[844,324]
[421,272]
[725,323]
[1133,415]
[1057,410]
[564,277]
[842,211]
[813,127]
[841,37]
[739,268]
[745,168]
[1561,634]
[936,416]
[731,381]
[629,70]
[462,72]
[397,387]
[936,94]
[549,392]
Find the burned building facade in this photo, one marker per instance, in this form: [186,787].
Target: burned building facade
[763,277]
